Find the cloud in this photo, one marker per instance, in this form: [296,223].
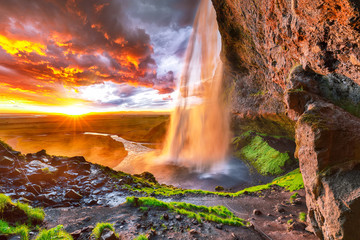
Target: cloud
[48,48]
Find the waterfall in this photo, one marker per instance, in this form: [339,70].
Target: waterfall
[198,136]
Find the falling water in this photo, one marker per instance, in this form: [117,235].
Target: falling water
[199,134]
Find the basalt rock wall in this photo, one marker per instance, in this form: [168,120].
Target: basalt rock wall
[294,65]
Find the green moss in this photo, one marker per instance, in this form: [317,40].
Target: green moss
[100,227]
[144,209]
[141,237]
[4,200]
[302,217]
[264,158]
[292,181]
[314,120]
[300,89]
[293,197]
[57,233]
[218,214]
[21,230]
[34,214]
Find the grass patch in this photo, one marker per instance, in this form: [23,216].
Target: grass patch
[56,233]
[292,181]
[302,217]
[141,237]
[100,227]
[21,230]
[293,197]
[264,158]
[34,214]
[218,214]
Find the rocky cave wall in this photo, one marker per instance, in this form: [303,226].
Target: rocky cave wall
[293,66]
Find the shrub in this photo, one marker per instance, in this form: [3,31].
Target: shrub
[302,217]
[57,233]
[100,227]
[141,237]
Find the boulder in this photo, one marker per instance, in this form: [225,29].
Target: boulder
[328,149]
[328,142]
[107,234]
[6,161]
[71,194]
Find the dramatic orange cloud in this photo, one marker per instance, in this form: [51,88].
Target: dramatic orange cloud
[49,48]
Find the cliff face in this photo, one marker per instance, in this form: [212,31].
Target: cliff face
[264,40]
[298,61]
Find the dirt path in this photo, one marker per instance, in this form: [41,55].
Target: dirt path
[270,224]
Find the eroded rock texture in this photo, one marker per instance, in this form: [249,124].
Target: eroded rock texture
[302,58]
[264,40]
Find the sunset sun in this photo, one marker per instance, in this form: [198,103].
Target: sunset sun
[74,110]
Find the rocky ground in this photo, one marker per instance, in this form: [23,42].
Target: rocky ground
[78,195]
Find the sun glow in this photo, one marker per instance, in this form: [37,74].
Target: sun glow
[73,110]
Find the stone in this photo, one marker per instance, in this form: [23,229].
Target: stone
[33,188]
[76,234]
[166,216]
[219,226]
[6,161]
[219,188]
[297,226]
[107,234]
[193,232]
[329,160]
[15,237]
[41,153]
[280,208]
[257,212]
[71,194]
[148,176]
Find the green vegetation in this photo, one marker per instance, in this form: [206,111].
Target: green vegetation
[259,93]
[264,158]
[301,89]
[292,181]
[302,217]
[100,227]
[218,214]
[46,170]
[21,230]
[144,209]
[34,214]
[56,233]
[141,237]
[293,197]
[290,221]
[314,119]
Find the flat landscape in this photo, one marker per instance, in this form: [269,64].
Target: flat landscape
[64,135]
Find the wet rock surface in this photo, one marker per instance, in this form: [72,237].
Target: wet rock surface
[51,181]
[78,195]
[328,146]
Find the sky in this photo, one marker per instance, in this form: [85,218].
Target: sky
[92,55]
